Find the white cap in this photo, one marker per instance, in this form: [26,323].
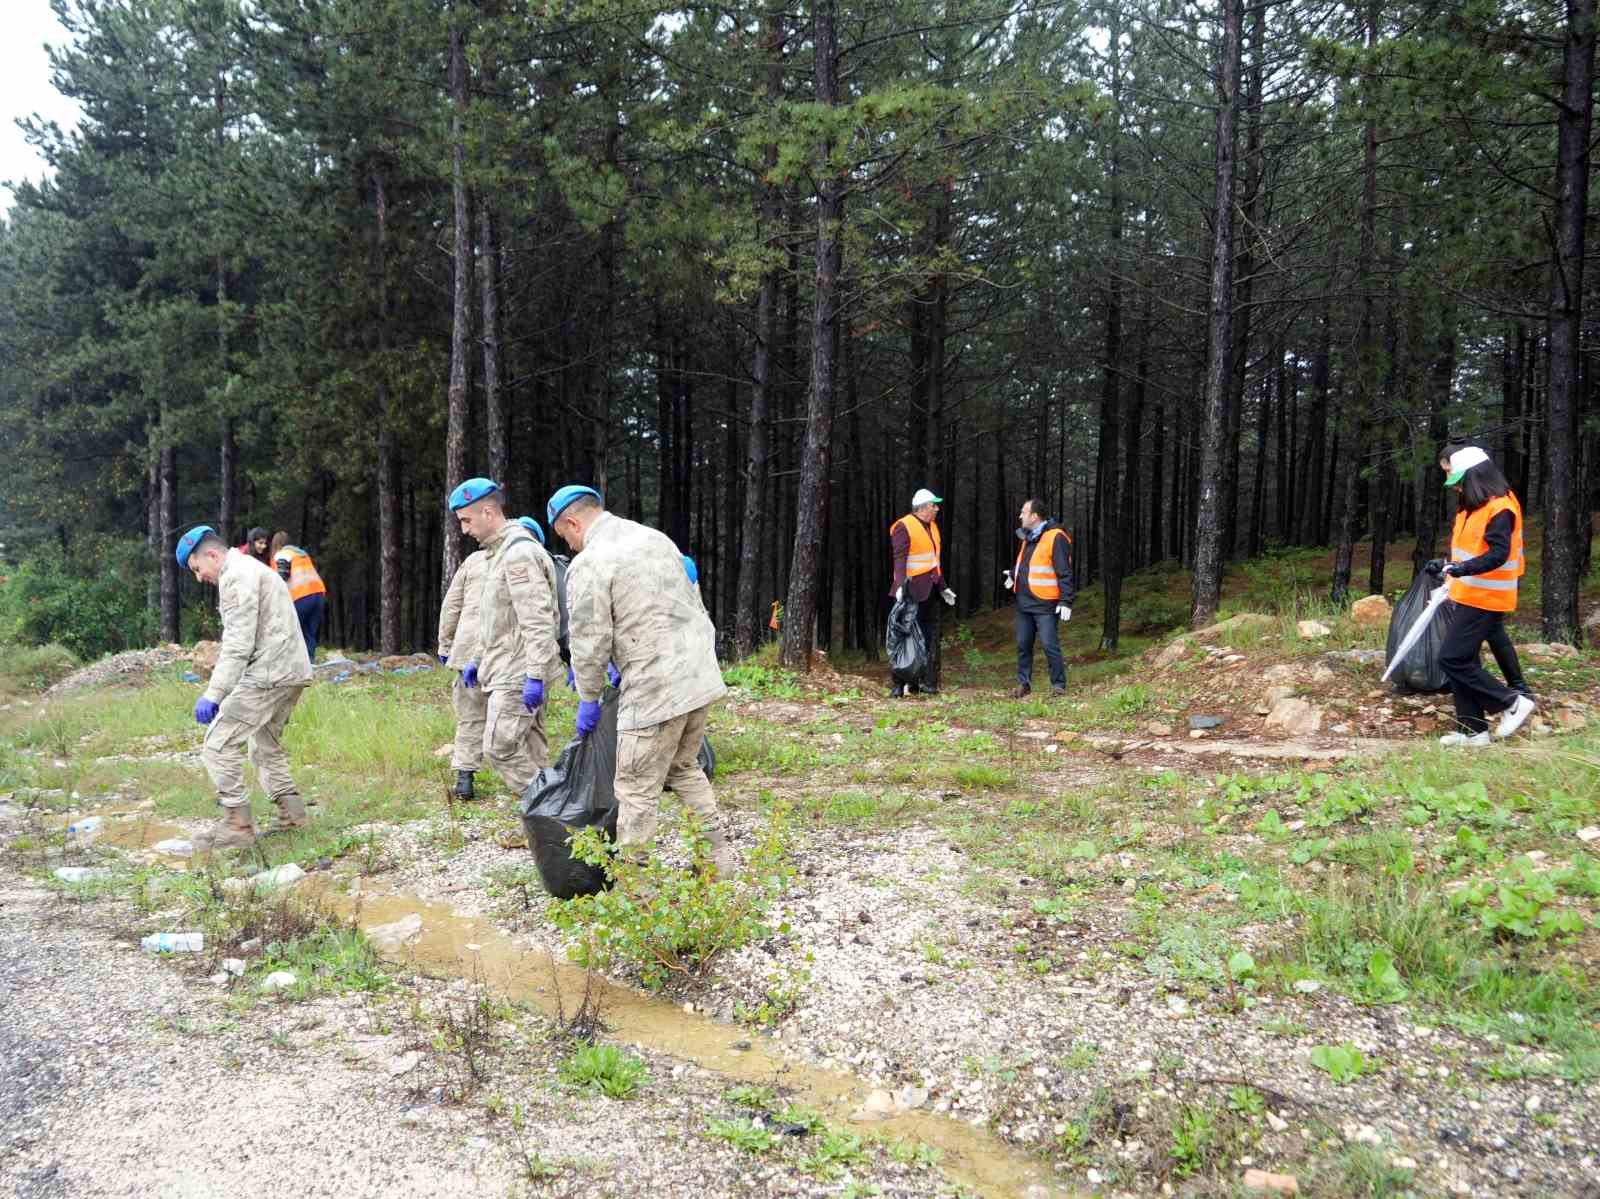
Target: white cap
[924,496]
[1462,461]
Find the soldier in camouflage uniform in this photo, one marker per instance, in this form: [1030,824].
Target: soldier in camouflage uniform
[630,601]
[261,672]
[517,628]
[458,639]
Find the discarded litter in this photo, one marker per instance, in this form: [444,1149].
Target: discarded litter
[1205,722]
[78,874]
[176,847]
[86,827]
[189,676]
[173,943]
[279,876]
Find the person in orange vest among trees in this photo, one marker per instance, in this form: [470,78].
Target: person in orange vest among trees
[306,588]
[1042,580]
[919,577]
[1486,560]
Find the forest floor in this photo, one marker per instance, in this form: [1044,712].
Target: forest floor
[1028,947]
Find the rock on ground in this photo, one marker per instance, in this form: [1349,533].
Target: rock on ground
[1371,612]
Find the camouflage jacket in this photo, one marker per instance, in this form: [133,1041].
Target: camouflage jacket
[458,615]
[261,641]
[631,603]
[517,616]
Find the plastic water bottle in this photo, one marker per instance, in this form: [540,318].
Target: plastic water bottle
[85,830]
[173,943]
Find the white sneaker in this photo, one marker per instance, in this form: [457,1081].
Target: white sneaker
[1474,740]
[1515,717]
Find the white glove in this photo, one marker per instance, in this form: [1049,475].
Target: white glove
[1010,586]
[899,594]
[949,597]
[1063,612]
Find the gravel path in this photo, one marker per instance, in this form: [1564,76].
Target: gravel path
[118,1077]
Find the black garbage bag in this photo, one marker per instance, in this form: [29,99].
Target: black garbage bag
[577,791]
[908,653]
[1420,670]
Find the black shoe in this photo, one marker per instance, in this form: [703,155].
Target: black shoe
[923,689]
[463,784]
[898,691]
[1058,693]
[1021,691]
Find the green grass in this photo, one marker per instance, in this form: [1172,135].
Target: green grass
[333,958]
[605,1069]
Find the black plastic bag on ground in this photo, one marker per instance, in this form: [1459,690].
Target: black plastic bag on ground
[576,791]
[908,653]
[1420,670]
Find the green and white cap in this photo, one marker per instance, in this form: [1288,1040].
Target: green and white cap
[924,496]
[1462,461]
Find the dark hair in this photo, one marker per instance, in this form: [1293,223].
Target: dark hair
[207,542]
[279,540]
[1036,506]
[1481,483]
[256,533]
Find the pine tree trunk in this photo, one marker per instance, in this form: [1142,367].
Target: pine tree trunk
[1206,593]
[1564,505]
[494,399]
[388,466]
[458,399]
[812,503]
[169,540]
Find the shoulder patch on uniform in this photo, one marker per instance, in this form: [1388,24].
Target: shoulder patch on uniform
[517,572]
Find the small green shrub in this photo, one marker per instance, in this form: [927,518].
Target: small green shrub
[1343,1063]
[673,923]
[93,605]
[1520,903]
[606,1069]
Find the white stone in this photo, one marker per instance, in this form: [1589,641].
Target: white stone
[280,876]
[278,980]
[1307,986]
[1589,834]
[174,847]
[1313,628]
[233,966]
[1277,1123]
[395,934]
[404,1064]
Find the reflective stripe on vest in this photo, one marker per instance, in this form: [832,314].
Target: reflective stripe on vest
[303,577]
[1494,590]
[1042,581]
[923,555]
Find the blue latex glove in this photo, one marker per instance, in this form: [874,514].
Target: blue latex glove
[469,676]
[588,717]
[205,711]
[611,673]
[572,682]
[444,659]
[532,693]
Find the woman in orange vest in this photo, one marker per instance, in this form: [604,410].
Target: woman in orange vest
[306,588]
[918,576]
[1486,560]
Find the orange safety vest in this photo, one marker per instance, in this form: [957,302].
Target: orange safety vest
[1042,581]
[923,556]
[1495,590]
[303,577]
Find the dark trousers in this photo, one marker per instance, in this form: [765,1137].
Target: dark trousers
[1040,625]
[1474,689]
[928,621]
[1505,657]
[309,609]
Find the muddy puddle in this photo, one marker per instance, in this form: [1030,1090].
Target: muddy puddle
[434,940]
[140,832]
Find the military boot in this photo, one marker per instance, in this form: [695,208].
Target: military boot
[463,785]
[291,813]
[236,830]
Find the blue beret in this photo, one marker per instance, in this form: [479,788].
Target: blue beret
[559,501]
[527,522]
[189,540]
[471,492]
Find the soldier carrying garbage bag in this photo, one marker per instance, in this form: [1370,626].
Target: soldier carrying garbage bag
[631,603]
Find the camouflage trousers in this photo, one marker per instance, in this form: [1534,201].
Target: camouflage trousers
[253,716]
[513,739]
[472,710]
[667,755]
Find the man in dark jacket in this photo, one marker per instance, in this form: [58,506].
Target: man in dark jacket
[1042,580]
